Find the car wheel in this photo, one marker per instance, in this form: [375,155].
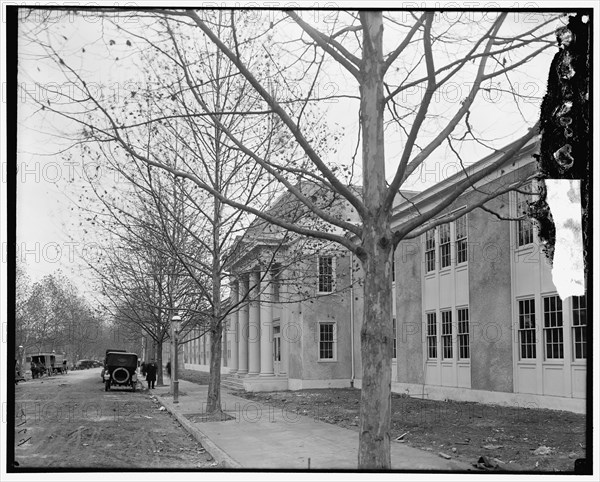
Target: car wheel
[120,375]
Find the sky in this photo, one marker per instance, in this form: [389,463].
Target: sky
[49,235]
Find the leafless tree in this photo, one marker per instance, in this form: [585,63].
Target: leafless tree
[426,51]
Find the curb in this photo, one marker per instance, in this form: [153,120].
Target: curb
[212,448]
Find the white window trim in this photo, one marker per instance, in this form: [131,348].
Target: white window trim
[327,360]
[333,274]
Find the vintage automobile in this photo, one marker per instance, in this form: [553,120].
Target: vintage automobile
[120,369]
[46,364]
[84,364]
[104,362]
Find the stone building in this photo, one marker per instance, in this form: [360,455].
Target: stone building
[476,315]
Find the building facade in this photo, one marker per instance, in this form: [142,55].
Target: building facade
[476,315]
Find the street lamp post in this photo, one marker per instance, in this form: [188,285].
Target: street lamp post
[20,360]
[174,369]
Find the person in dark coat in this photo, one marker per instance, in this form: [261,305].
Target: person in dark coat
[169,368]
[151,369]
[143,368]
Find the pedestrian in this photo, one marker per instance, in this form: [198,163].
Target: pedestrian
[169,368]
[143,368]
[151,370]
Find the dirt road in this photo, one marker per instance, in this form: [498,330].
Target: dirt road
[70,421]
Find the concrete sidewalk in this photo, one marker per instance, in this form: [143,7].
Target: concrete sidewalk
[264,437]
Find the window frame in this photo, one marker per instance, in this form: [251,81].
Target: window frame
[320,275]
[581,328]
[431,334]
[463,337]
[524,229]
[461,244]
[333,341]
[554,322]
[430,249]
[446,334]
[394,342]
[446,246]
[527,332]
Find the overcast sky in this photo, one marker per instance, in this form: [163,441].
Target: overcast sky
[48,235]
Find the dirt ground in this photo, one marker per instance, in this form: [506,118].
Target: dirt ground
[70,421]
[463,430]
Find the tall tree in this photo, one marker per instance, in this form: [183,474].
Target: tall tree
[426,51]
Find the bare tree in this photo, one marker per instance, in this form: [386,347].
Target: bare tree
[426,51]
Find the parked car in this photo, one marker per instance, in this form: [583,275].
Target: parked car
[104,362]
[120,370]
[84,364]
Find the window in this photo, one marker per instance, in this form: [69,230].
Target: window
[527,328]
[524,226]
[444,245]
[393,267]
[430,250]
[463,333]
[461,239]
[579,327]
[553,327]
[277,343]
[325,274]
[327,341]
[431,336]
[446,334]
[394,339]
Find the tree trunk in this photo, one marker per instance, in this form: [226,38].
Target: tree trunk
[376,331]
[376,353]
[159,373]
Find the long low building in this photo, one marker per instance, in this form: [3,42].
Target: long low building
[476,315]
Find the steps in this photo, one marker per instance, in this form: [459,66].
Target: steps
[231,382]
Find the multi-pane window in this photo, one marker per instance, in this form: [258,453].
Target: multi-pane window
[527,328]
[277,343]
[326,341]
[446,334]
[431,336]
[325,274]
[553,327]
[430,250]
[463,333]
[444,245]
[525,225]
[394,339]
[579,327]
[461,239]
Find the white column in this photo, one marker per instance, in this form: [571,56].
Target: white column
[233,327]
[254,325]
[243,329]
[285,297]
[266,327]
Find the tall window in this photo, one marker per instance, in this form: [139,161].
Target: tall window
[461,239]
[444,245]
[325,274]
[394,339]
[277,343]
[393,267]
[430,250]
[579,327]
[524,226]
[527,328]
[327,341]
[463,333]
[446,334]
[553,327]
[431,336]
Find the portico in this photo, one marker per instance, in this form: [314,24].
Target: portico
[255,312]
